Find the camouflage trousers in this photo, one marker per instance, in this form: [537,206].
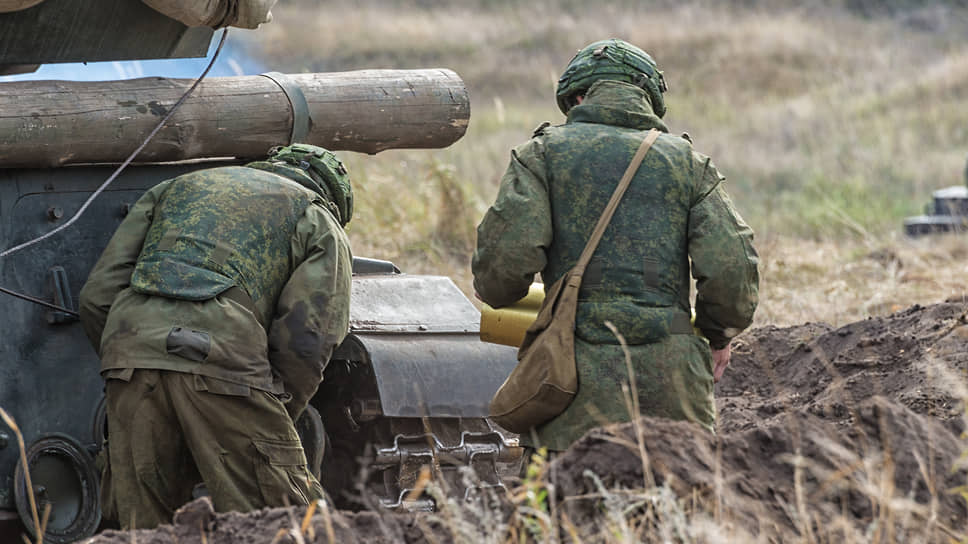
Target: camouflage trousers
[165,436]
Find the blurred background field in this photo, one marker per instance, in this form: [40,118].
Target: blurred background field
[832,120]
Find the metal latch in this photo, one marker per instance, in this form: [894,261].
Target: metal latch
[61,291]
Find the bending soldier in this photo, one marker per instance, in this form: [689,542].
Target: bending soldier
[676,210]
[215,308]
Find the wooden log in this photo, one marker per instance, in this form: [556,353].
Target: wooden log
[53,123]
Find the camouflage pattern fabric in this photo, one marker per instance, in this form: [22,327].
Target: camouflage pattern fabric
[323,172]
[612,60]
[194,250]
[168,434]
[676,210]
[297,281]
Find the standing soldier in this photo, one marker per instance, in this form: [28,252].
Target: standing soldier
[675,210]
[215,308]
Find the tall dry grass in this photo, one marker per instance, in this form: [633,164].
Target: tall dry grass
[845,281]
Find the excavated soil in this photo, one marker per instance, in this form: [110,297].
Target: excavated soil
[824,434]
[850,434]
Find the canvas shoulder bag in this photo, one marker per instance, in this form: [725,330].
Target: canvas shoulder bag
[545,380]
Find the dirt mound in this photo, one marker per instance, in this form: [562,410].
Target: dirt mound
[888,473]
[847,434]
[916,357]
[825,434]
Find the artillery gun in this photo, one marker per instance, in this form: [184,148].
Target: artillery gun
[410,385]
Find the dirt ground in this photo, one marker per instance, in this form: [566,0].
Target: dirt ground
[845,434]
[850,434]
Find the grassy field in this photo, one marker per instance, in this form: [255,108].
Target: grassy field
[832,120]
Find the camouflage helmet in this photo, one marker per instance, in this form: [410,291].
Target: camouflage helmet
[611,59]
[325,168]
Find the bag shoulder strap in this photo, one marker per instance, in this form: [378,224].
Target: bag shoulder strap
[606,217]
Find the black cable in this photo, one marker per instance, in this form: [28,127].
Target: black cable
[108,182]
[39,301]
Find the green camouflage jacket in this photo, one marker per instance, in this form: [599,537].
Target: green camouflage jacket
[676,209]
[237,275]
[675,218]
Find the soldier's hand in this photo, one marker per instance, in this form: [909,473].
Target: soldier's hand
[720,361]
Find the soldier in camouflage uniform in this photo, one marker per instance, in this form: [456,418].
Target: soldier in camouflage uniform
[675,210]
[215,308]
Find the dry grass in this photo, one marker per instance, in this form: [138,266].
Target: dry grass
[805,280]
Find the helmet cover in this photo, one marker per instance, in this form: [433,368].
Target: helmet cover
[324,167]
[611,59]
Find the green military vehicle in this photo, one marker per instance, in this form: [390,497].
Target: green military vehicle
[408,388]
